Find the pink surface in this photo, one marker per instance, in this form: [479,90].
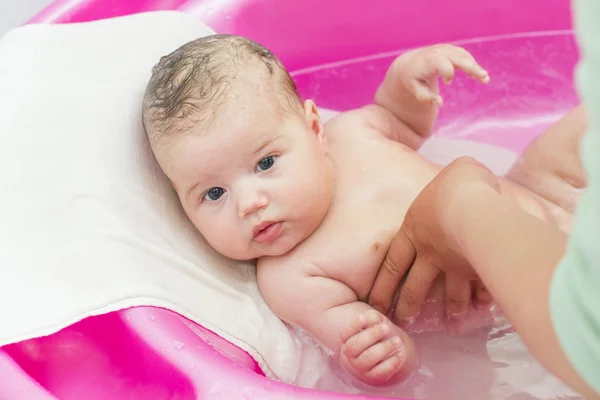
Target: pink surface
[338,52]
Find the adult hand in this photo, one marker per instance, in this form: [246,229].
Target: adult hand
[427,244]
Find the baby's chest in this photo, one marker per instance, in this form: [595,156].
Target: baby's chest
[353,240]
[376,183]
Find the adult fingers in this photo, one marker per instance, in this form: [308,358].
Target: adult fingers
[458,297]
[415,290]
[398,260]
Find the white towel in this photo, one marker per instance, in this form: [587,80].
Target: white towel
[89,224]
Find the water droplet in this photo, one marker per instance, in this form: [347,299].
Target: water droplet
[178,345]
[152,317]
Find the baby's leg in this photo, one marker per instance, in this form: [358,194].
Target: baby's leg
[376,351]
[550,166]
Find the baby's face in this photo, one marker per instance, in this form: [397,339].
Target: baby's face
[258,182]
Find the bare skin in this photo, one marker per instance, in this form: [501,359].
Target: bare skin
[319,206]
[446,230]
[323,283]
[549,168]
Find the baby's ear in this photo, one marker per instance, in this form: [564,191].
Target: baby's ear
[311,115]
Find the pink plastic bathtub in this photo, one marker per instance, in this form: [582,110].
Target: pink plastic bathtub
[338,51]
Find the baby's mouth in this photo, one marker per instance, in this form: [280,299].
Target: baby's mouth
[267,232]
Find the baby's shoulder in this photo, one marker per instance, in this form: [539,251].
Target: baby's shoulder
[372,121]
[364,117]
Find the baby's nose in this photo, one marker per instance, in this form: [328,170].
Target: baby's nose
[251,203]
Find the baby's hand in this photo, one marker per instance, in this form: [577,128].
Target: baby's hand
[421,70]
[368,350]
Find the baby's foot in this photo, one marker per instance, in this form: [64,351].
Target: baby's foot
[375,351]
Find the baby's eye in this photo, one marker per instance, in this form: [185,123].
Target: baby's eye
[266,163]
[214,194]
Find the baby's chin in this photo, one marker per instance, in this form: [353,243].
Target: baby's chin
[279,250]
[284,246]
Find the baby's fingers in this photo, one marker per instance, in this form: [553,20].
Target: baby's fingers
[443,67]
[424,94]
[355,326]
[360,342]
[378,353]
[469,66]
[364,321]
[385,370]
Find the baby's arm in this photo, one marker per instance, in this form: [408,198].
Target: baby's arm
[410,90]
[367,344]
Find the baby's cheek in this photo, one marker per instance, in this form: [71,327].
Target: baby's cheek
[227,241]
[223,231]
[290,192]
[210,228]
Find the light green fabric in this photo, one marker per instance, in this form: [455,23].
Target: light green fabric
[575,292]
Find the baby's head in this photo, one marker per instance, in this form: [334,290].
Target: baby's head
[246,156]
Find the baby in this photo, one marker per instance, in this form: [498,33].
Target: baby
[262,178]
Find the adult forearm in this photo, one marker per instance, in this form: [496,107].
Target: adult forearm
[515,255]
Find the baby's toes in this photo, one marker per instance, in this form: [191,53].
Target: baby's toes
[378,353]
